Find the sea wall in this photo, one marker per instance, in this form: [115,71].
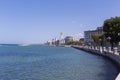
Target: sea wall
[114,58]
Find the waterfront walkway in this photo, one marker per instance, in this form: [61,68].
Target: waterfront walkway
[111,55]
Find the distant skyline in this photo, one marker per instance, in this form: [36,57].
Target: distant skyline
[36,21]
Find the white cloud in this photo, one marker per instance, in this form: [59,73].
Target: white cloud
[81,35]
[73,21]
[81,25]
[78,35]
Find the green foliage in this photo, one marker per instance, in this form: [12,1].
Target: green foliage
[75,43]
[111,28]
[96,38]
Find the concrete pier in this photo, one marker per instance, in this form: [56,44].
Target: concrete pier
[111,55]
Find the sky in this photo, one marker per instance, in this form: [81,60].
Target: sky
[36,21]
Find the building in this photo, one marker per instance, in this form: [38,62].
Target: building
[88,35]
[99,30]
[69,39]
[61,39]
[49,42]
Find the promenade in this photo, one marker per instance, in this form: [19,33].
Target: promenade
[107,53]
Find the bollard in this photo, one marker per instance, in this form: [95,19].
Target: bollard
[116,51]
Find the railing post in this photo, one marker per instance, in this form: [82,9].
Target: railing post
[116,51]
[109,49]
[104,49]
[101,50]
[95,47]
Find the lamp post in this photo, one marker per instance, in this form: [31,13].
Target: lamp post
[109,47]
[100,44]
[119,37]
[100,41]
[119,34]
[119,41]
[109,38]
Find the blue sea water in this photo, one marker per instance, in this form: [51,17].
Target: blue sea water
[37,62]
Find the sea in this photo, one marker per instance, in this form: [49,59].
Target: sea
[41,62]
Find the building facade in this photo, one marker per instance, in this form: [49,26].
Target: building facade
[69,39]
[88,35]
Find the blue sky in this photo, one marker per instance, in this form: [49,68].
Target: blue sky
[36,21]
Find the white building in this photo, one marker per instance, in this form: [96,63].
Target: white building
[69,39]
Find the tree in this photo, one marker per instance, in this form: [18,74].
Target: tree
[96,39]
[75,43]
[111,28]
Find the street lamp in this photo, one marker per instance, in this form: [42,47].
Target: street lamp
[119,34]
[100,40]
[92,41]
[119,37]
[109,38]
[100,43]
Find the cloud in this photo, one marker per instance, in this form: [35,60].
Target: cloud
[81,25]
[81,35]
[78,35]
[73,21]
